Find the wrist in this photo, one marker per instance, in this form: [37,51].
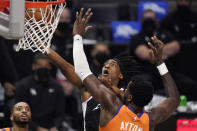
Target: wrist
[77,36]
[159,63]
[162,69]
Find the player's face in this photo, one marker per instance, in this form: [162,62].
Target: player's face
[111,70]
[127,97]
[21,114]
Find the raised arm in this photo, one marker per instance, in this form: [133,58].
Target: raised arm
[102,94]
[66,68]
[162,111]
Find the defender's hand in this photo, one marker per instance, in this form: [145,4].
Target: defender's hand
[105,81]
[156,51]
[80,27]
[108,83]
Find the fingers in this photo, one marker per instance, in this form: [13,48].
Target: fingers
[88,15]
[157,41]
[87,28]
[152,48]
[81,14]
[77,16]
[88,18]
[151,54]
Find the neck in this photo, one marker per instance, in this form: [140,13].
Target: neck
[115,83]
[18,128]
[136,108]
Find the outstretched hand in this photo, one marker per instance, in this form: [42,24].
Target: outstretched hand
[108,83]
[80,25]
[156,51]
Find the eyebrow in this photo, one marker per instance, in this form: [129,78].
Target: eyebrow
[18,106]
[21,106]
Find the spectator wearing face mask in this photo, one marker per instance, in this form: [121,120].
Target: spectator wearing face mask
[150,27]
[62,39]
[140,49]
[182,22]
[44,95]
[100,53]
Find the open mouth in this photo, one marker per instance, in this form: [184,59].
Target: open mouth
[24,117]
[105,72]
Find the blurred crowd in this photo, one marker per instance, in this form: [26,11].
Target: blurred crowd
[54,101]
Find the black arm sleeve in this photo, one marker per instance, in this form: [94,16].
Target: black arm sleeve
[7,69]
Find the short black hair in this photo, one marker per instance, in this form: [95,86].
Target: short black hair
[38,56]
[141,91]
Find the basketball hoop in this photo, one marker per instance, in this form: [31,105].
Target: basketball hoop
[41,20]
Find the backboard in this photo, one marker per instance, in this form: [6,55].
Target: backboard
[12,24]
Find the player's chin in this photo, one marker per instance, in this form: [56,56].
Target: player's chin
[106,76]
[24,119]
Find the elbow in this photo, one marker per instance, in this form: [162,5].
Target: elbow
[177,47]
[176,102]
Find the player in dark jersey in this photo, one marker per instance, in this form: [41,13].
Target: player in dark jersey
[115,74]
[20,117]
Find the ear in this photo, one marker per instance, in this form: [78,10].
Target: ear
[129,98]
[121,76]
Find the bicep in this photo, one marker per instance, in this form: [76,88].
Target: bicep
[100,93]
[162,111]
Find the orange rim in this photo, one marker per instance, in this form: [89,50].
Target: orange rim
[30,4]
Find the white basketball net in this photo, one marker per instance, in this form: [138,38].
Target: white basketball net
[38,33]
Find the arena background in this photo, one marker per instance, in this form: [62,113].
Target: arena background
[105,13]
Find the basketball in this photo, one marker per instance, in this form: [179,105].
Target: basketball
[39,14]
